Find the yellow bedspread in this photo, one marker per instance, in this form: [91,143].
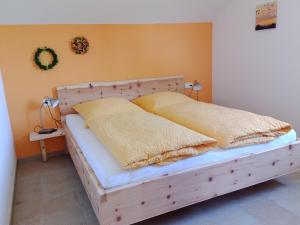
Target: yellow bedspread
[230,127]
[138,139]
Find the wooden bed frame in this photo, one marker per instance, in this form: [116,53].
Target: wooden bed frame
[138,201]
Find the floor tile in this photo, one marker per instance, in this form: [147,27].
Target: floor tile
[268,212]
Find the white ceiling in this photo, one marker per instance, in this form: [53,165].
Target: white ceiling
[108,11]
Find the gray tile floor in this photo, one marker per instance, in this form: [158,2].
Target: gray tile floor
[51,194]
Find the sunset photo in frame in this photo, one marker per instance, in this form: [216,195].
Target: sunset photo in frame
[266,16]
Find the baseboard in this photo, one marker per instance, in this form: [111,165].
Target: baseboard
[39,157]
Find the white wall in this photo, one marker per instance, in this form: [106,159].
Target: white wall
[258,70]
[7,161]
[108,11]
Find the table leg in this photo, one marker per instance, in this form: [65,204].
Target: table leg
[43,150]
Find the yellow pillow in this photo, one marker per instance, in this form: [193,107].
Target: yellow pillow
[103,107]
[155,101]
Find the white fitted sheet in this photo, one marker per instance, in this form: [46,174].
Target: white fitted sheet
[111,174]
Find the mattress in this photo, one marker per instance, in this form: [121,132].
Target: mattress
[110,173]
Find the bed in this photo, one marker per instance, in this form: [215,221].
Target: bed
[125,197]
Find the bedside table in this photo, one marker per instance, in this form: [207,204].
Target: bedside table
[42,137]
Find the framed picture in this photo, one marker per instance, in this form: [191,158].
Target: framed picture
[266,16]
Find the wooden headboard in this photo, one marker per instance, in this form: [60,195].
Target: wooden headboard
[130,89]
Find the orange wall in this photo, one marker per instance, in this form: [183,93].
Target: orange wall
[116,52]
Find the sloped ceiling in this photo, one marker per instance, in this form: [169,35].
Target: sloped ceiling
[108,11]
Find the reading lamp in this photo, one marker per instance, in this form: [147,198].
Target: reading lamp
[197,87]
[49,103]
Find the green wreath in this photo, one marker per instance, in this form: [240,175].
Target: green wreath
[38,62]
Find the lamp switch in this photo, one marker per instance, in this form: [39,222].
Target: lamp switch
[188,85]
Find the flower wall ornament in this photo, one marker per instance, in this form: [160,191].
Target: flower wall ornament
[80,45]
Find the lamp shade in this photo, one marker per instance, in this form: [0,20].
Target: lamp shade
[54,103]
[48,101]
[197,86]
